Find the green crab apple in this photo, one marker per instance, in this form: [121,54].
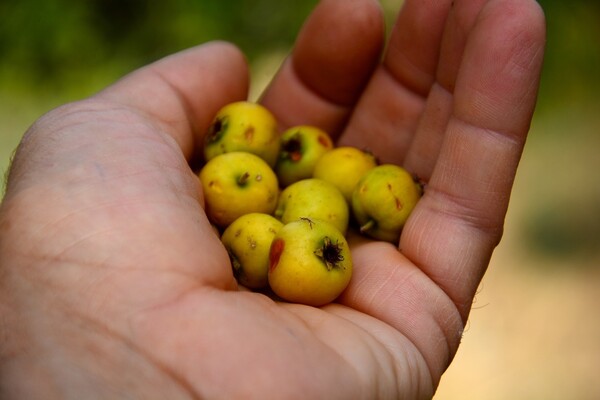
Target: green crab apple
[235,184]
[315,199]
[382,201]
[310,262]
[243,126]
[248,242]
[301,148]
[343,167]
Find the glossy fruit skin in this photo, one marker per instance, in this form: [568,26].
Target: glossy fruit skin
[235,184]
[343,167]
[313,198]
[243,126]
[383,200]
[301,147]
[297,271]
[248,241]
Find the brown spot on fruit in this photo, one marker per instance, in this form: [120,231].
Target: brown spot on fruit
[249,133]
[236,266]
[323,140]
[275,253]
[292,148]
[399,205]
[396,199]
[216,129]
[215,186]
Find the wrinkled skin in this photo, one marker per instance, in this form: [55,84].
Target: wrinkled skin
[113,284]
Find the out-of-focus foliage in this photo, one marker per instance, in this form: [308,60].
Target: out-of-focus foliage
[562,217]
[66,45]
[55,44]
[572,59]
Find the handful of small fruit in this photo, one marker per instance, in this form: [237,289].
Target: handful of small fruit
[284,202]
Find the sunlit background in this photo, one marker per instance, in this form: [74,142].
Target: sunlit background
[534,332]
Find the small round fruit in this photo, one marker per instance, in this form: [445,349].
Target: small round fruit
[243,126]
[248,241]
[301,148]
[382,201]
[235,184]
[310,262]
[315,199]
[344,166]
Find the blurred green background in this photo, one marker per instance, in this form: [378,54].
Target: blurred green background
[534,331]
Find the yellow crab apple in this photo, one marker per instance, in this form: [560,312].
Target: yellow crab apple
[243,126]
[343,167]
[248,241]
[383,200]
[313,198]
[310,262]
[235,184]
[301,148]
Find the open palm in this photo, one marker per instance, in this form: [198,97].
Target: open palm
[112,282]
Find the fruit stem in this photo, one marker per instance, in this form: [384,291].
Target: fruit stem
[367,226]
[243,178]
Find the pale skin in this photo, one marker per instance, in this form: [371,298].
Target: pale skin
[113,284]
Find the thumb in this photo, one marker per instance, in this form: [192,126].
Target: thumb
[183,92]
[120,222]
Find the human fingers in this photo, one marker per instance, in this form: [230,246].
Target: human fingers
[334,56]
[456,225]
[422,152]
[387,114]
[386,285]
[447,243]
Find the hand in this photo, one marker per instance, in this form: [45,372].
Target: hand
[113,284]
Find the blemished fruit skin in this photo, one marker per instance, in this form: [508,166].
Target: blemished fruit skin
[235,184]
[243,126]
[301,148]
[313,198]
[383,200]
[344,166]
[248,241]
[310,262]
